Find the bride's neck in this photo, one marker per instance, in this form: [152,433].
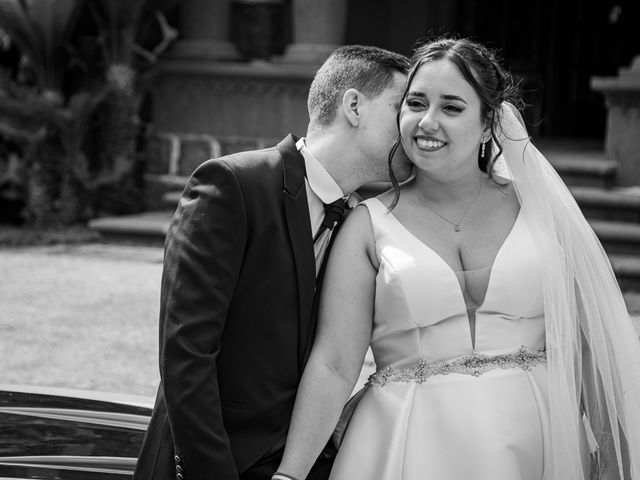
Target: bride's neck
[449,190]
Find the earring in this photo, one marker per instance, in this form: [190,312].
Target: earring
[482,147]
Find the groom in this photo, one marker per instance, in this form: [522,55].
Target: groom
[239,276]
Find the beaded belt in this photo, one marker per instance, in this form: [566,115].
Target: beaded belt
[473,363]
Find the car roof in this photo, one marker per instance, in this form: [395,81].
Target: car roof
[121,398]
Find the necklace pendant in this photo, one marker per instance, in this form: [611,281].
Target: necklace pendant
[457,228]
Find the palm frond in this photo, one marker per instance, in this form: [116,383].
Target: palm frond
[122,13]
[53,21]
[15,21]
[118,21]
[40,28]
[53,18]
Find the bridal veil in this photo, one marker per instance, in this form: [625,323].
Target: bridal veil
[593,350]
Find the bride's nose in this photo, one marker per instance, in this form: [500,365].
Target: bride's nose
[429,121]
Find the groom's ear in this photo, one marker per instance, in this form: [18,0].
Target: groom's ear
[351,101]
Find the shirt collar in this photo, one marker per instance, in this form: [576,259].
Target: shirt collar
[320,182]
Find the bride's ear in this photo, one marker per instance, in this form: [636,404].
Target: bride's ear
[351,101]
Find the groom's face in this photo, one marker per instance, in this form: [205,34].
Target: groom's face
[380,132]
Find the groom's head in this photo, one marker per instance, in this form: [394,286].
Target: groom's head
[369,70]
[353,100]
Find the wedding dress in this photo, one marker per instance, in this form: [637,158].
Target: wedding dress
[463,388]
[482,417]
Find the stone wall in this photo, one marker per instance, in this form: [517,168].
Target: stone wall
[205,109]
[255,99]
[173,156]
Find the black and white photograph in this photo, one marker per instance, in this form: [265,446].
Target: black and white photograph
[319,239]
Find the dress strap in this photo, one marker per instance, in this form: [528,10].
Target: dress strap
[380,216]
[375,206]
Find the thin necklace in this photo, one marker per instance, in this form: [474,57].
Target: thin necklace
[456,226]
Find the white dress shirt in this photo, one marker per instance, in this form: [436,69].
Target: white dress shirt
[321,189]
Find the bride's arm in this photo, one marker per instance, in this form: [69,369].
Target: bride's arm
[342,339]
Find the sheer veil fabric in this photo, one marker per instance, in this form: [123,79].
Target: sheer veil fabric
[593,350]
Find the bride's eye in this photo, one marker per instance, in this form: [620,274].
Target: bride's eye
[414,104]
[452,108]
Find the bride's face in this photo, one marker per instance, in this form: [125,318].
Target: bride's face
[441,123]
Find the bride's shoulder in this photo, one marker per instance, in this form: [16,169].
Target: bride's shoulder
[372,207]
[357,232]
[386,199]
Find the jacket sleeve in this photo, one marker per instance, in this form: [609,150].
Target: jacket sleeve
[203,257]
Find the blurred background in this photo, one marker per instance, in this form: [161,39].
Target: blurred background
[106,107]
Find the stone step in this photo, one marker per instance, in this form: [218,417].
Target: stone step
[157,186]
[147,227]
[582,172]
[618,237]
[620,204]
[172,198]
[579,162]
[627,270]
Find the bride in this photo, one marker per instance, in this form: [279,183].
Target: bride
[503,346]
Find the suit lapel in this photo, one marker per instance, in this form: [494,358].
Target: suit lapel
[296,209]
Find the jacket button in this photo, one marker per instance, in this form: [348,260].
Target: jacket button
[178,469]
[178,476]
[177,459]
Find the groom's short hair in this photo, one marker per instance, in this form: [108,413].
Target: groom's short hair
[367,69]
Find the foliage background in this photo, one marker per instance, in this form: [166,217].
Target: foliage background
[74,77]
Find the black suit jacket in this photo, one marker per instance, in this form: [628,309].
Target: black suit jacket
[235,319]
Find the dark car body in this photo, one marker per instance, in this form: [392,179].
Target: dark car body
[53,433]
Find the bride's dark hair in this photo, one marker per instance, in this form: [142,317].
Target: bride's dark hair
[483,70]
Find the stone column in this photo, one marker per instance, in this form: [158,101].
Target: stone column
[622,142]
[204,31]
[257,28]
[318,28]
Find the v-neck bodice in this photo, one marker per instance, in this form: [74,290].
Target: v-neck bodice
[420,308]
[416,420]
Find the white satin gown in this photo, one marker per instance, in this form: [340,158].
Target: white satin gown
[454,422]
